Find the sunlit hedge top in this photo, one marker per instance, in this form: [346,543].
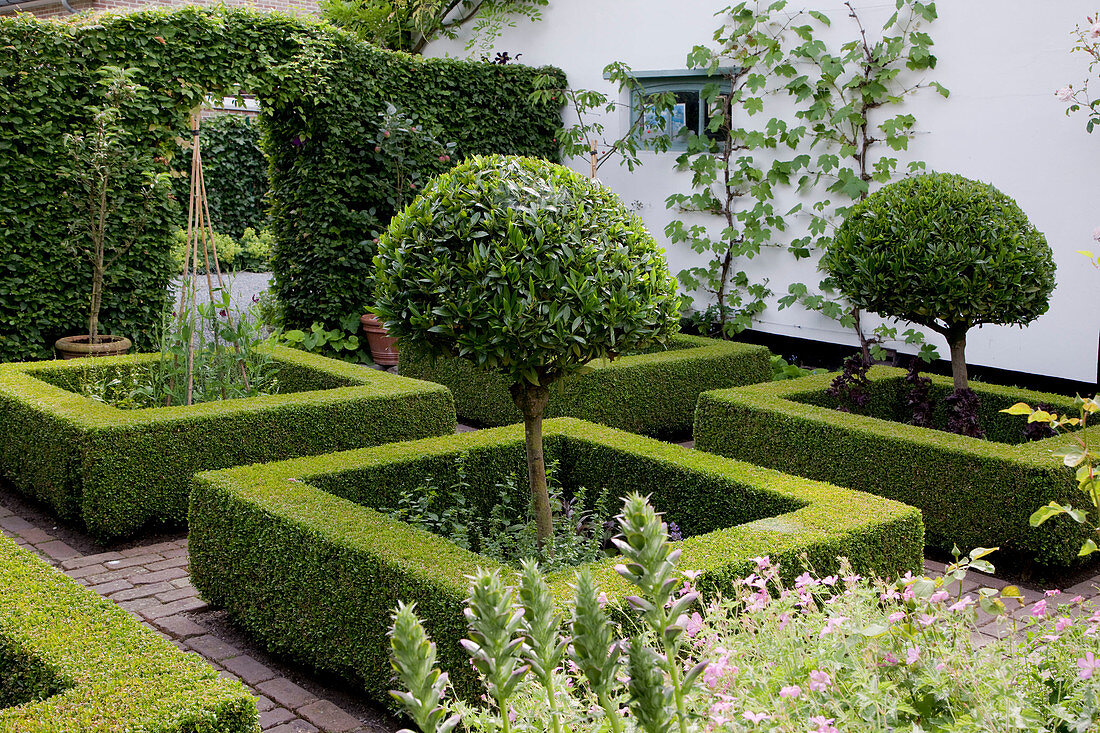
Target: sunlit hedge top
[524,267]
[941,246]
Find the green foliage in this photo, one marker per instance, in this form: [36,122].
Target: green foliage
[508,533]
[652,393]
[945,252]
[971,492]
[524,268]
[791,110]
[227,247]
[336,343]
[234,171]
[1086,42]
[299,555]
[410,25]
[320,92]
[85,664]
[116,471]
[412,153]
[1080,456]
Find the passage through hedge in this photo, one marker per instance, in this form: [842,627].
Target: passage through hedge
[971,492]
[652,394]
[118,470]
[72,661]
[321,92]
[297,554]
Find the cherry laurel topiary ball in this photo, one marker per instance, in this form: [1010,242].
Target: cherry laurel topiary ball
[525,268]
[945,252]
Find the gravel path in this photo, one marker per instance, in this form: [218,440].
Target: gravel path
[242,286]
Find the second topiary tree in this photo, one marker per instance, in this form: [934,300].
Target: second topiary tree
[528,269]
[945,252]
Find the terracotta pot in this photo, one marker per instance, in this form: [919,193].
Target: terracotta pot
[383,347]
[75,347]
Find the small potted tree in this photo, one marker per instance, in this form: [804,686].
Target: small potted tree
[528,269]
[103,167]
[945,252]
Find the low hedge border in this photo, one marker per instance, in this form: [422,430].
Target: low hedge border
[297,556]
[652,394]
[71,661]
[118,470]
[972,492]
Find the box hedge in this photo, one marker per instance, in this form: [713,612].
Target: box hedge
[118,470]
[652,393]
[298,555]
[972,492]
[71,661]
[320,92]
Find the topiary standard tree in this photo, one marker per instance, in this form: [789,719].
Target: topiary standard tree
[946,252]
[528,269]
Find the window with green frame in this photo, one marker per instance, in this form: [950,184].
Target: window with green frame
[689,113]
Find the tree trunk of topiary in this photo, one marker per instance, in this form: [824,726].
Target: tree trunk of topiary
[531,401]
[957,343]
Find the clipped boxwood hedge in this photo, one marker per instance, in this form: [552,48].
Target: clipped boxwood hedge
[972,492]
[652,393]
[297,554]
[72,661]
[320,91]
[119,470]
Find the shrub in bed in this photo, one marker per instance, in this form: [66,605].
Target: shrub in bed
[971,492]
[72,661]
[117,470]
[651,393]
[298,553]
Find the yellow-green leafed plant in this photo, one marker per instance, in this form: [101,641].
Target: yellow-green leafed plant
[1079,456]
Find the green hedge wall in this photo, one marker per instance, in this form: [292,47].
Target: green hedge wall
[118,470]
[296,553]
[235,173]
[72,661]
[972,492]
[652,394]
[321,92]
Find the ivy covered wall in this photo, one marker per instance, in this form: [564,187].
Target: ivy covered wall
[321,94]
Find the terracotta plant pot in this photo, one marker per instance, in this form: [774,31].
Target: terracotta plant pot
[75,347]
[383,347]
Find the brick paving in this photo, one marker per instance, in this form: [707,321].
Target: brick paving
[150,580]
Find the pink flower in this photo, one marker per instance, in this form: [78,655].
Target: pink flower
[831,625]
[890,660]
[754,717]
[691,625]
[762,563]
[927,619]
[961,605]
[691,575]
[939,596]
[1096,234]
[912,654]
[1094,32]
[803,580]
[1052,593]
[852,578]
[819,681]
[895,617]
[829,580]
[444,158]
[784,619]
[1061,624]
[601,599]
[792,691]
[1064,94]
[1039,610]
[1088,665]
[824,725]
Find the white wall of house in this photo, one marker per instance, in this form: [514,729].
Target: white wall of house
[1002,61]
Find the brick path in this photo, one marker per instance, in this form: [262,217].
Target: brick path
[150,579]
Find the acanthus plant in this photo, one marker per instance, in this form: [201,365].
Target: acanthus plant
[518,636]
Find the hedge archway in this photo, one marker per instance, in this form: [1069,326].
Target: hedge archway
[321,92]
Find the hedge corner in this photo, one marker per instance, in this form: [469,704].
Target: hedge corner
[72,661]
[304,555]
[118,470]
[972,492]
[653,393]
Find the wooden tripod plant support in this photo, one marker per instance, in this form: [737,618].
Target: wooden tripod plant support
[200,239]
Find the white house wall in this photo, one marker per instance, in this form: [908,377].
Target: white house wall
[1002,61]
